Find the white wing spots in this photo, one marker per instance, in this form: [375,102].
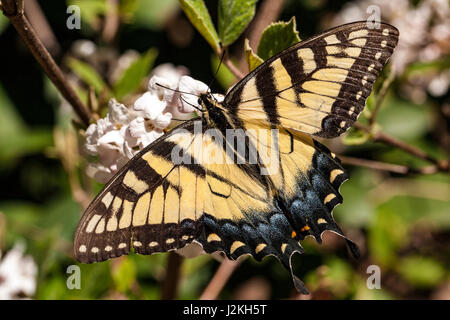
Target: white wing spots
[108,248]
[370,68]
[170,240]
[260,247]
[385,32]
[185,237]
[236,245]
[132,182]
[107,199]
[95,250]
[153,244]
[332,154]
[213,237]
[100,226]
[334,174]
[137,243]
[351,111]
[364,80]
[378,55]
[283,247]
[331,39]
[93,223]
[321,221]
[342,124]
[82,248]
[358,95]
[122,245]
[383,43]
[328,198]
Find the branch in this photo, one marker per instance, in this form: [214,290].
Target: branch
[171,280]
[389,167]
[13,9]
[268,12]
[219,279]
[389,140]
[230,65]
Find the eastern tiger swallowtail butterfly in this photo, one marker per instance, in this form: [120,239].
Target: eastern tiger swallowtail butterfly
[240,205]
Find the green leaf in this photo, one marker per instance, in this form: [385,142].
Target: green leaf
[420,271]
[277,37]
[124,275]
[198,14]
[355,137]
[132,77]
[252,58]
[88,74]
[4,23]
[153,14]
[234,16]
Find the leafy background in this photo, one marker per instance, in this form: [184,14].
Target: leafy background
[401,222]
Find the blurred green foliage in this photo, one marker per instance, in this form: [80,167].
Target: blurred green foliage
[402,222]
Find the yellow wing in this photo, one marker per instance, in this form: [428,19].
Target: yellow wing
[318,86]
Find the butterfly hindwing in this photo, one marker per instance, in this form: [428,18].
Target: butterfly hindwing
[318,86]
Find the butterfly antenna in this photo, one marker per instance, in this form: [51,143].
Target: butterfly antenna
[215,73]
[192,105]
[175,90]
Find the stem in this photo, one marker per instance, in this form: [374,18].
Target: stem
[268,12]
[13,9]
[219,279]
[173,272]
[386,166]
[230,65]
[389,140]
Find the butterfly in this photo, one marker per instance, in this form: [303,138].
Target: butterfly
[247,177]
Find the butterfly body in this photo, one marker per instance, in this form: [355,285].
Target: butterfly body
[248,177]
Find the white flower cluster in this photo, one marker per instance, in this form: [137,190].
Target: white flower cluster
[18,275]
[424,33]
[116,138]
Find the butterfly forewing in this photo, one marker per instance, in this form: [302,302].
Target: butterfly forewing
[318,86]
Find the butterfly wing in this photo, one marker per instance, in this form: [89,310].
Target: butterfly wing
[318,86]
[182,187]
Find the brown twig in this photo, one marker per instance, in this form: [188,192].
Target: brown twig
[13,9]
[219,279]
[37,19]
[231,66]
[172,278]
[379,136]
[112,21]
[268,12]
[382,166]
